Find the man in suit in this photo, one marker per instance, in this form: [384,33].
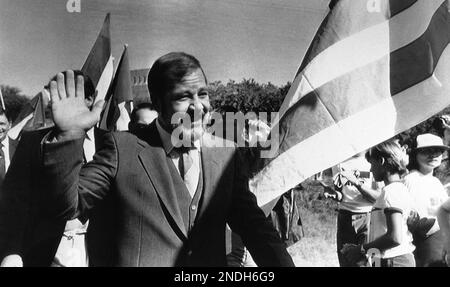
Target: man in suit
[150,201]
[29,236]
[7,146]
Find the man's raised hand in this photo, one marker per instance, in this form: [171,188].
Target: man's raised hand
[71,115]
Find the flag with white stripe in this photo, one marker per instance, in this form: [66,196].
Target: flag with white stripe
[374,69]
[116,115]
[99,63]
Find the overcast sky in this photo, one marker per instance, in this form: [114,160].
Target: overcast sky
[233,39]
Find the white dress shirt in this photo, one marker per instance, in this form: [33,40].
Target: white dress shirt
[5,149]
[192,177]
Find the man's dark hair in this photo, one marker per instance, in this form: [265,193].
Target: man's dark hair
[141,106]
[3,112]
[89,89]
[166,71]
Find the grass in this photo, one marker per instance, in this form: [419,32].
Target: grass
[318,246]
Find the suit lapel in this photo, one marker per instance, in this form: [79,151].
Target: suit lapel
[154,161]
[210,169]
[12,148]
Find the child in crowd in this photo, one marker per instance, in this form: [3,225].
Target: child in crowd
[388,233]
[429,194]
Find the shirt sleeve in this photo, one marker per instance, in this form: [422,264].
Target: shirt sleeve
[395,199]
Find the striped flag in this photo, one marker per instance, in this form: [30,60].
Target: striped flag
[374,69]
[116,115]
[98,66]
[99,63]
[31,117]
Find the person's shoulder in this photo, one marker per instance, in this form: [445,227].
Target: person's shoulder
[412,176]
[122,138]
[397,186]
[397,193]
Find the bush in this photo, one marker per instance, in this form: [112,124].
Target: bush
[14,101]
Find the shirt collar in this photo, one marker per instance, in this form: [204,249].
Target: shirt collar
[5,142]
[167,139]
[90,134]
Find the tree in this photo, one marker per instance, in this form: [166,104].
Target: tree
[14,101]
[247,96]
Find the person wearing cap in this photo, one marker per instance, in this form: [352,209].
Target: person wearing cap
[428,194]
[444,223]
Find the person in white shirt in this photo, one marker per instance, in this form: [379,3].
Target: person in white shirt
[356,191]
[429,194]
[389,238]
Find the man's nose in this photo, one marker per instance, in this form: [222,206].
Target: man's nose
[195,103]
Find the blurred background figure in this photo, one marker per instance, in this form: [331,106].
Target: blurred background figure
[356,191]
[7,145]
[285,214]
[141,116]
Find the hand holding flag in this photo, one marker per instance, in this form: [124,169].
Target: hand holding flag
[70,113]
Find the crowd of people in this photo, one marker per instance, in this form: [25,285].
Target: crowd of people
[73,195]
[393,210]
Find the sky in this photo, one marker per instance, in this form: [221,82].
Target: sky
[233,39]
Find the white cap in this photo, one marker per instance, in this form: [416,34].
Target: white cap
[430,141]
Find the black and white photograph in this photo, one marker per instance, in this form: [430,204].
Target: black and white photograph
[225,133]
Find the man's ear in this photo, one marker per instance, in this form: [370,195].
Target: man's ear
[89,101]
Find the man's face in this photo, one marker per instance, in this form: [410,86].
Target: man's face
[188,96]
[5,125]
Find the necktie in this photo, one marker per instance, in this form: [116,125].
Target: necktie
[2,164]
[188,169]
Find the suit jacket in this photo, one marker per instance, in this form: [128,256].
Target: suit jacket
[128,193]
[12,148]
[25,227]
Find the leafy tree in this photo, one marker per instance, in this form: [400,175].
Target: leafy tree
[246,96]
[14,100]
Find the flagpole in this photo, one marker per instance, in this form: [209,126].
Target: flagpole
[3,101]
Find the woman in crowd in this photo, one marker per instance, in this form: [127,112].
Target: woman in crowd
[444,223]
[428,194]
[388,234]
